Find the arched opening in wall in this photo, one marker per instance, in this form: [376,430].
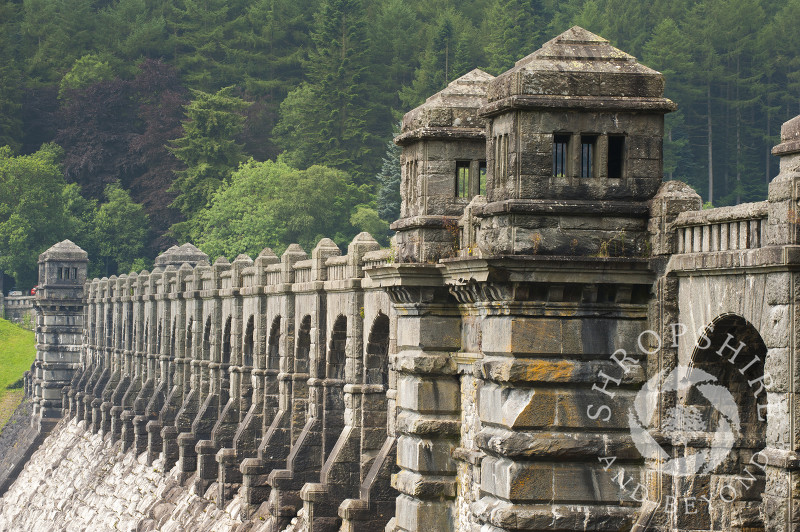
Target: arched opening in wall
[376,366]
[109,328]
[207,340]
[336,352]
[718,426]
[226,342]
[333,408]
[273,346]
[187,352]
[249,342]
[172,337]
[303,345]
[131,331]
[159,332]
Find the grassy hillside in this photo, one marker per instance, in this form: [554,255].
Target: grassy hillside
[17,351]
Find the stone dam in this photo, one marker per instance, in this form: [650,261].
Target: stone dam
[557,340]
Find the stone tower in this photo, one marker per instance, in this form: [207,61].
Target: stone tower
[497,355]
[59,328]
[443,167]
[573,149]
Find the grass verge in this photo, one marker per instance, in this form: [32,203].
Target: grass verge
[17,352]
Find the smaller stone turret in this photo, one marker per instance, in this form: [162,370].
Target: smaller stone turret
[59,328]
[443,167]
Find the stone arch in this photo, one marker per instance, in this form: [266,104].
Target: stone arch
[334,373]
[249,342]
[226,342]
[336,356]
[109,328]
[173,333]
[303,345]
[733,352]
[130,326]
[273,345]
[376,365]
[206,354]
[145,336]
[159,332]
[189,334]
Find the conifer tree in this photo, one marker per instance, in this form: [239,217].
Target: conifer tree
[333,119]
[389,184]
[208,148]
[511,32]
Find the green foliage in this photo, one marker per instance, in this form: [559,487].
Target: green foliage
[511,33]
[389,184]
[16,357]
[208,147]
[447,55]
[347,125]
[365,218]
[121,228]
[86,71]
[273,204]
[32,210]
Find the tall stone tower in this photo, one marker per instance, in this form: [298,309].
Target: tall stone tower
[59,328]
[501,342]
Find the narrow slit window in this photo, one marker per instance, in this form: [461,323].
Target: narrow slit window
[616,156]
[588,143]
[462,179]
[560,149]
[482,178]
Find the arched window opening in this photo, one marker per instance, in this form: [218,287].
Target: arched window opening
[226,342]
[336,353]
[131,330]
[723,400]
[189,334]
[249,342]
[172,337]
[273,348]
[303,346]
[377,362]
[109,328]
[207,340]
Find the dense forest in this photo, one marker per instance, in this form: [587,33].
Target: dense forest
[129,125]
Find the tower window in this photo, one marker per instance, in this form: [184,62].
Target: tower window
[560,150]
[616,156]
[588,143]
[462,179]
[482,178]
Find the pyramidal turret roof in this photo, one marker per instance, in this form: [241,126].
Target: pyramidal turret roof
[65,250]
[578,44]
[578,68]
[451,112]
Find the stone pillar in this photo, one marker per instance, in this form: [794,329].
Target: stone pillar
[428,397]
[59,328]
[781,498]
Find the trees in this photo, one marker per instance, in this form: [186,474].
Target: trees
[274,204]
[32,211]
[389,184]
[336,118]
[121,228]
[207,148]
